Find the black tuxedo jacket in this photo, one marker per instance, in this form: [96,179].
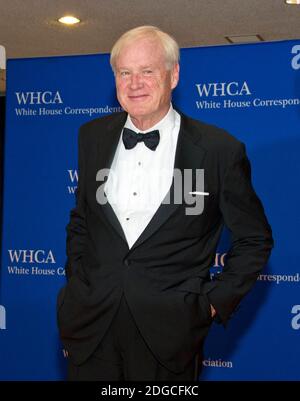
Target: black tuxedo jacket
[165,275]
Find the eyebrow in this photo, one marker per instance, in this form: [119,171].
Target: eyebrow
[142,67]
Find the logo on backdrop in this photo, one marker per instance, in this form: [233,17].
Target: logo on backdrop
[218,265]
[296,59]
[65,353]
[217,89]
[47,97]
[238,95]
[295,322]
[280,278]
[34,262]
[73,179]
[217,363]
[49,103]
[2,318]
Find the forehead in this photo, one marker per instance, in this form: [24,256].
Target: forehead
[144,51]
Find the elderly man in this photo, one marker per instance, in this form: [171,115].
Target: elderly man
[139,301]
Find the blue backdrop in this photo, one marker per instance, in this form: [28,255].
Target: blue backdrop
[250,90]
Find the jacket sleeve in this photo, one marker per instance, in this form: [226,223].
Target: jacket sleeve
[76,228]
[251,241]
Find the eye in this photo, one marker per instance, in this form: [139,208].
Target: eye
[124,73]
[147,72]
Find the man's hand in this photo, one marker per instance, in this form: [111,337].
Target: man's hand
[213,311]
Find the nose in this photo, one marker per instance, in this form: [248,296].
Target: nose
[136,81]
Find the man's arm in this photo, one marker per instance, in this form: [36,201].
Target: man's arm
[76,229]
[252,240]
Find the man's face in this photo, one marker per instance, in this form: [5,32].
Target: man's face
[144,85]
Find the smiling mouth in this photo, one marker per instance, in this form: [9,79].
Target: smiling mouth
[138,98]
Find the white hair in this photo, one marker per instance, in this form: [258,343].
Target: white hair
[168,43]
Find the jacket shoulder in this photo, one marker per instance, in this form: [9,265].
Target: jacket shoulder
[211,137]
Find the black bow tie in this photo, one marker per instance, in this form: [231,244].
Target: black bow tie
[131,138]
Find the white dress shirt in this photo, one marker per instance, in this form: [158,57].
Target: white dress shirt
[140,178]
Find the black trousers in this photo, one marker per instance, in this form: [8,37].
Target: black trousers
[123,355]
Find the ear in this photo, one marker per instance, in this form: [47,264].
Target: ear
[175,76]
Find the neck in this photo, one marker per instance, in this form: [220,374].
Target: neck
[144,123]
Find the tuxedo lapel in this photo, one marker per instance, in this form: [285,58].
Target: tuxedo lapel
[189,155]
[107,144]
[106,148]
